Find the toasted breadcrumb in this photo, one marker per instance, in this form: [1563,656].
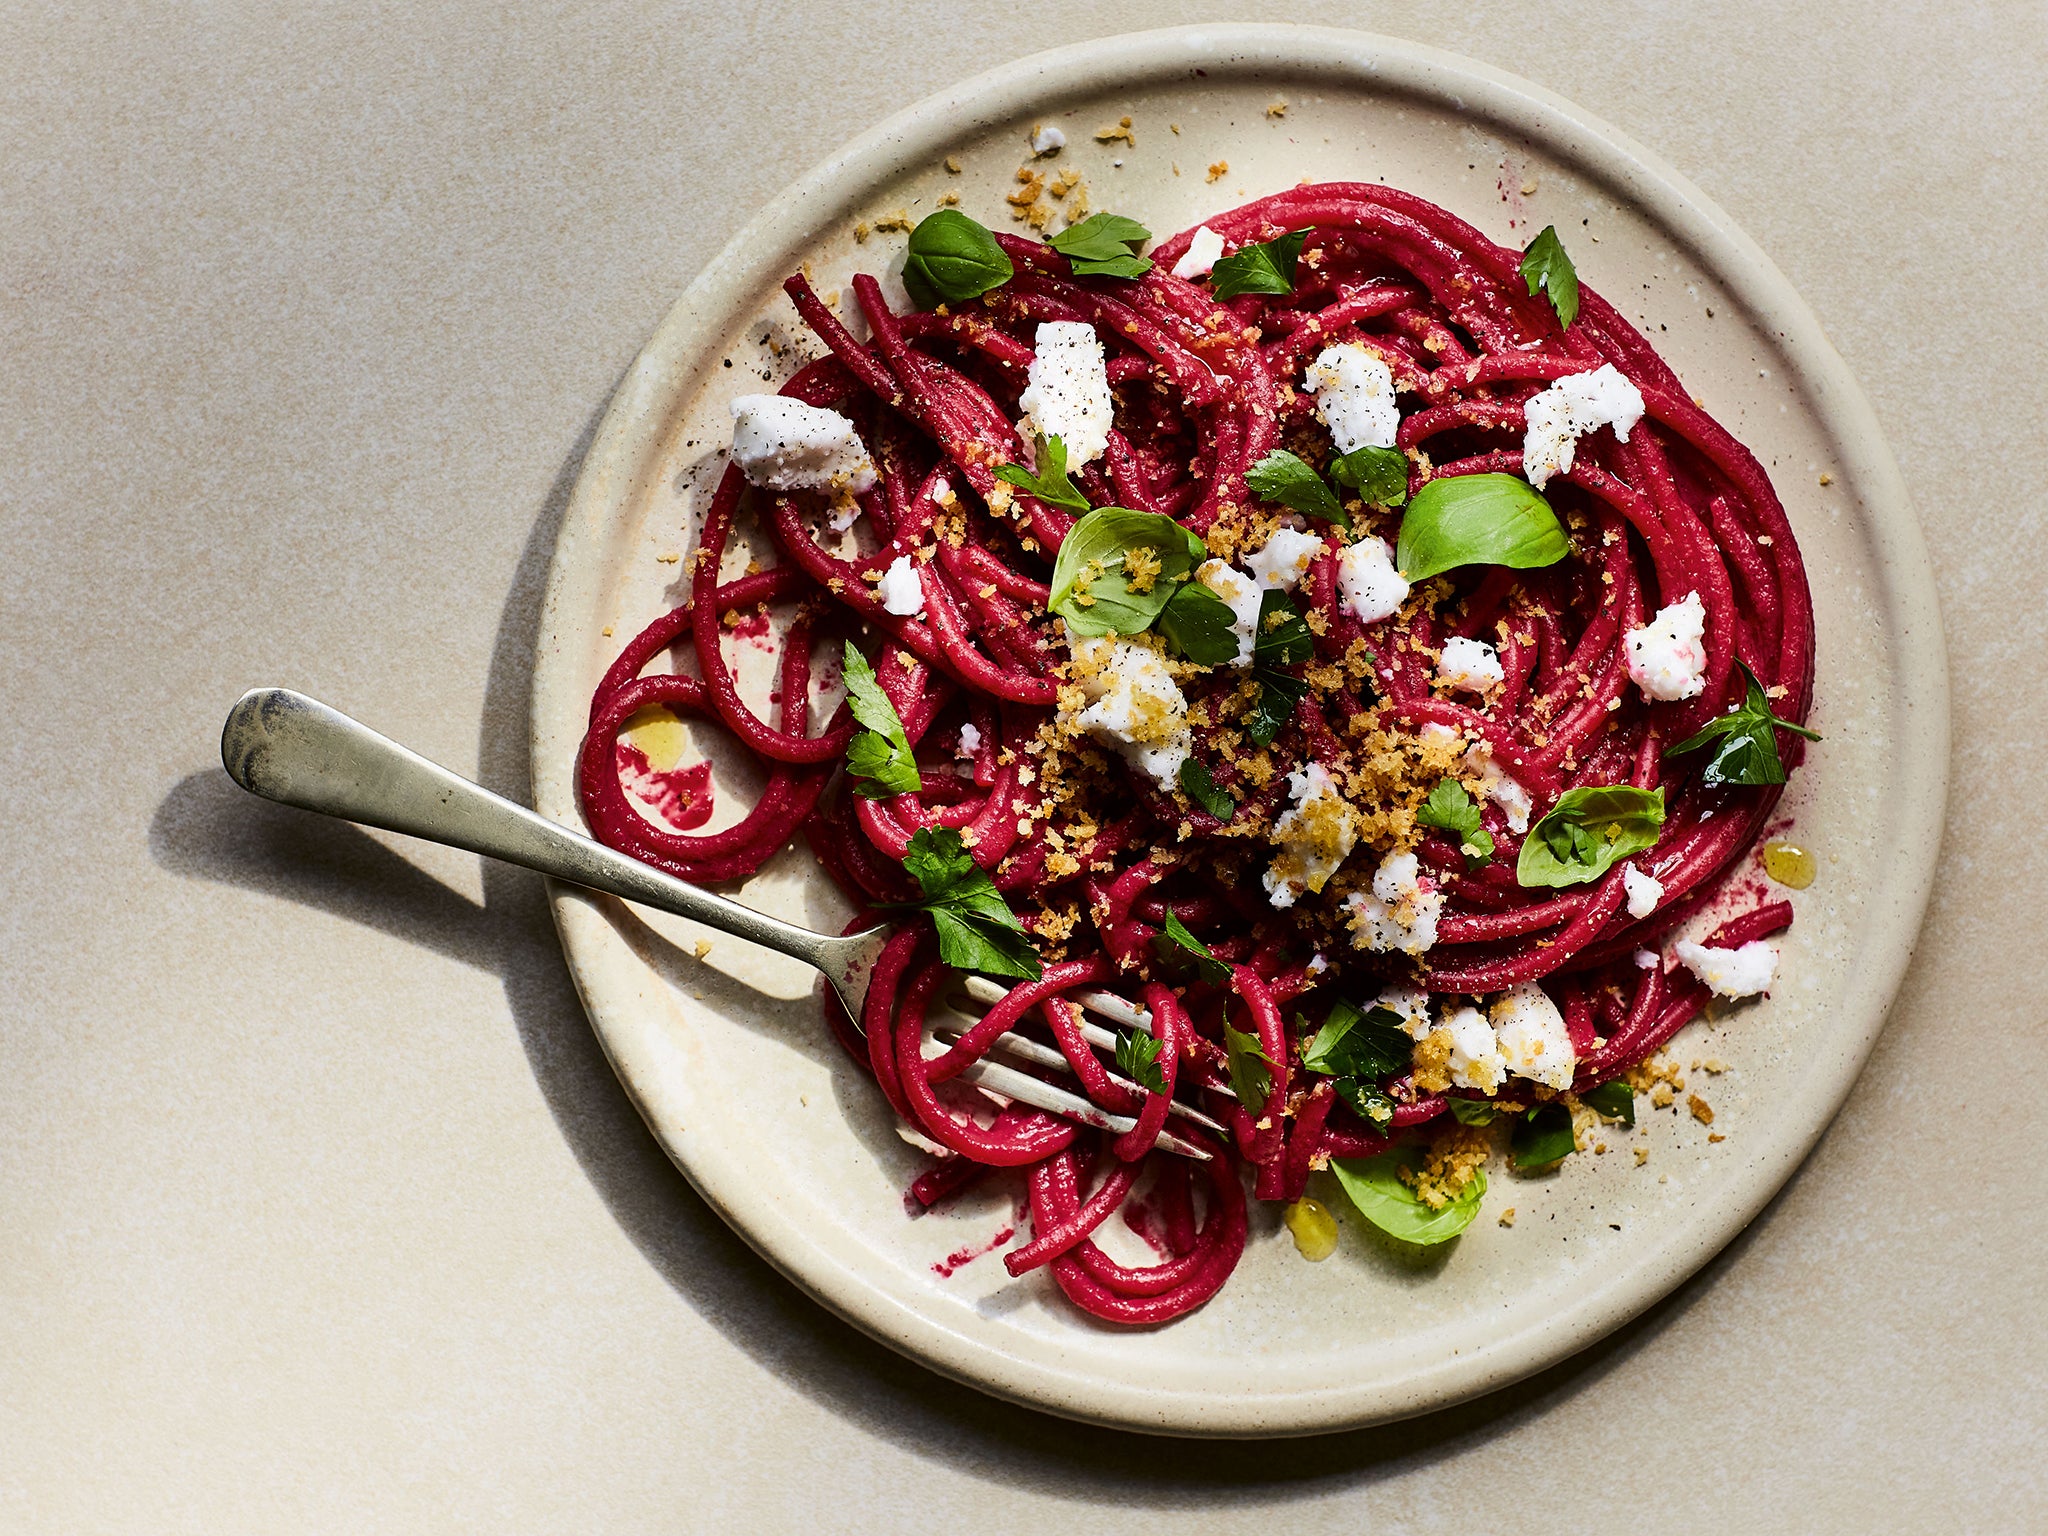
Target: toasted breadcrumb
[1119,130]
[1507,1217]
[1701,1110]
[1218,170]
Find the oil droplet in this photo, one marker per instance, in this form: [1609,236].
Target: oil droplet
[661,736]
[1788,864]
[1314,1229]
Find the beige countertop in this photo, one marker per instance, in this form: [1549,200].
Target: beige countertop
[319,1208]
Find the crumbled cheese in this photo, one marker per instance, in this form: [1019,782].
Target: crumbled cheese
[1367,582]
[1317,964]
[1668,656]
[1045,139]
[900,591]
[1572,407]
[1740,972]
[1285,559]
[1400,913]
[1533,1036]
[1134,705]
[1644,889]
[1314,837]
[1354,397]
[1243,597]
[1412,1003]
[1495,784]
[1646,959]
[1476,1061]
[1203,251]
[786,445]
[1470,666]
[1067,395]
[844,516]
[970,741]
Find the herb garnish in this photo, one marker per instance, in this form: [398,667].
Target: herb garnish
[1279,694]
[1543,1136]
[952,259]
[1137,1057]
[1104,245]
[878,758]
[1747,749]
[1587,832]
[1379,475]
[977,929]
[1283,638]
[1546,266]
[1265,268]
[1050,483]
[1375,1187]
[1614,1101]
[1290,480]
[1451,809]
[1183,951]
[1251,1070]
[1478,520]
[1199,624]
[1202,788]
[1091,587]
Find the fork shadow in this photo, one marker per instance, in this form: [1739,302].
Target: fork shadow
[208,829]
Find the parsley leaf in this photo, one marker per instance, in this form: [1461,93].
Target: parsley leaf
[1359,1043]
[1746,746]
[977,929]
[1266,268]
[1613,1101]
[1201,787]
[1379,475]
[1198,624]
[1279,693]
[1546,266]
[1450,808]
[1137,1057]
[1251,1070]
[1104,245]
[879,757]
[1472,1111]
[1543,1137]
[1587,832]
[1290,480]
[1050,484]
[1283,638]
[1178,947]
[1375,1187]
[952,259]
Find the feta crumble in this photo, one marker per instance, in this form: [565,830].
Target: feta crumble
[1644,889]
[1668,656]
[1533,1036]
[1647,960]
[970,741]
[1412,1003]
[1572,407]
[1469,666]
[1740,972]
[900,590]
[1400,913]
[1243,597]
[1367,582]
[1315,836]
[1067,393]
[1285,559]
[1133,705]
[1476,1061]
[1204,250]
[1354,397]
[785,445]
[1045,139]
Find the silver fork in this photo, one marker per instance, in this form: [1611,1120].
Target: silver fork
[299,752]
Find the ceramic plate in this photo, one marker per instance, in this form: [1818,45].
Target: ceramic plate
[725,1055]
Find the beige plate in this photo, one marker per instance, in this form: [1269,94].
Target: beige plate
[725,1057]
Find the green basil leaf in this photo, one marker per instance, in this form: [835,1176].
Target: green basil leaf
[1251,1070]
[1379,475]
[1587,832]
[1353,1043]
[1478,520]
[1543,1136]
[1184,952]
[1450,808]
[1472,1111]
[1202,788]
[878,758]
[977,930]
[952,259]
[1091,563]
[1282,638]
[1745,741]
[1369,1101]
[1615,1101]
[1137,1057]
[1545,266]
[1283,477]
[1050,484]
[1375,1187]
[1279,693]
[1267,268]
[1112,266]
[1197,623]
[1101,237]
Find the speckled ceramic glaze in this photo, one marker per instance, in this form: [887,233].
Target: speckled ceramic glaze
[725,1056]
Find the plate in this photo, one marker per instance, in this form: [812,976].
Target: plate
[724,1055]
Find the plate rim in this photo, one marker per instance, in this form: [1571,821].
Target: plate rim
[631,428]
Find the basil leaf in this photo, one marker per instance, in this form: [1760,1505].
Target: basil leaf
[1450,808]
[1375,1187]
[1369,1101]
[1283,638]
[1543,1136]
[1183,951]
[952,259]
[1114,266]
[1267,268]
[1745,743]
[1197,623]
[1545,266]
[1201,788]
[1478,520]
[1104,245]
[1283,477]
[1472,1111]
[1279,693]
[977,929]
[1251,1074]
[879,758]
[1090,565]
[1050,484]
[1615,1100]
[1353,1043]
[1137,1057]
[1587,832]
[1379,475]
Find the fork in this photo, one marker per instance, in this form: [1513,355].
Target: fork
[297,751]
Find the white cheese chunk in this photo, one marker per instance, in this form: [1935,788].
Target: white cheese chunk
[1644,889]
[1285,559]
[785,445]
[1469,666]
[1400,913]
[1476,1061]
[1668,656]
[1572,407]
[1494,783]
[1533,1036]
[1132,705]
[1045,139]
[1647,960]
[1315,835]
[1740,972]
[900,590]
[1412,1004]
[1204,250]
[1367,582]
[970,741]
[1354,397]
[1243,597]
[1067,390]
